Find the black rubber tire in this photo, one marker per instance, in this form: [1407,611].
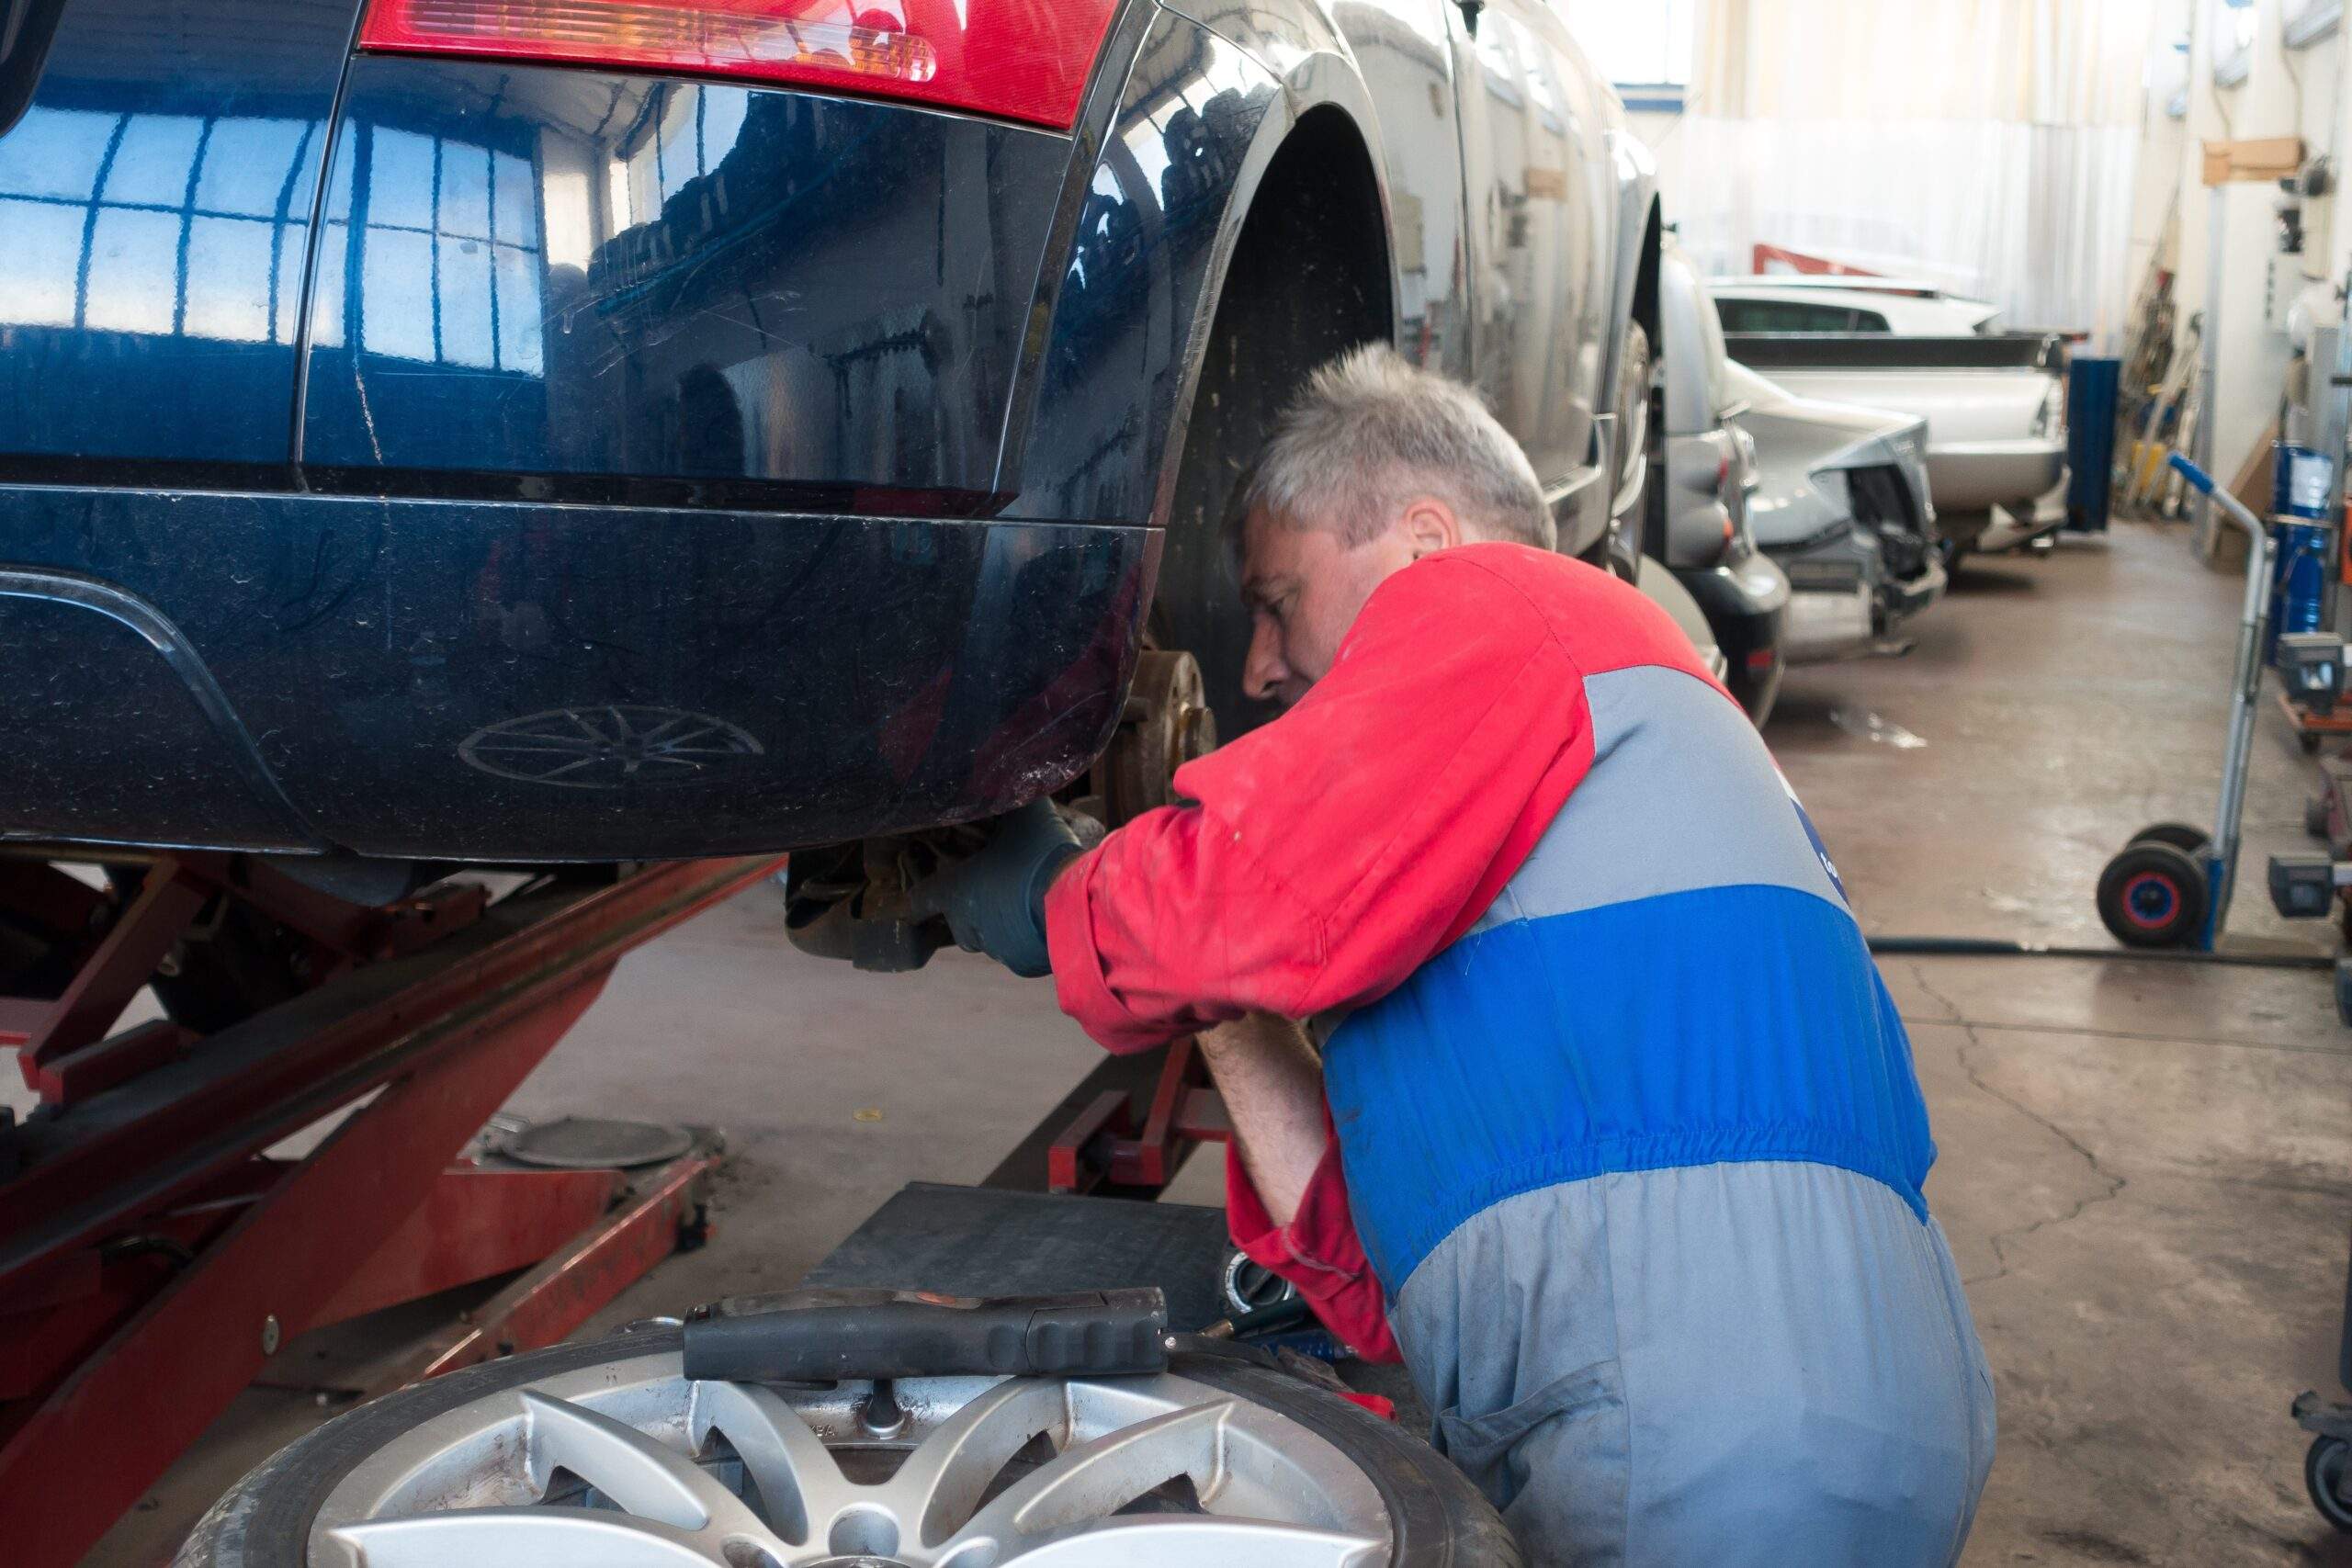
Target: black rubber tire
[1640,530]
[2310,741]
[2323,1466]
[2315,816]
[2153,895]
[264,1520]
[2343,992]
[2188,840]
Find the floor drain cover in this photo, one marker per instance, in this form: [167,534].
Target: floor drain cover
[582,1143]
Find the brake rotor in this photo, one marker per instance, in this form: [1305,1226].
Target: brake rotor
[1167,723]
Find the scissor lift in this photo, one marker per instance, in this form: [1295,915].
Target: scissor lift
[155,1255]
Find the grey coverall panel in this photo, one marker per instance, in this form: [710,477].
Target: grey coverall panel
[1708,1367]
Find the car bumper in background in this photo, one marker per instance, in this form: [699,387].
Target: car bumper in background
[1900,599]
[1746,601]
[1974,476]
[506,681]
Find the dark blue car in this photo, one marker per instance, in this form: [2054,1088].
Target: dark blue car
[526,430]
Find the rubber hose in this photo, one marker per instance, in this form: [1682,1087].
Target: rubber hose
[1994,947]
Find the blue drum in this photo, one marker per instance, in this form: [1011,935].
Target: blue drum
[2299,588]
[2300,479]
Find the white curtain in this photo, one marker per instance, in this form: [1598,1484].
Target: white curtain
[1987,145]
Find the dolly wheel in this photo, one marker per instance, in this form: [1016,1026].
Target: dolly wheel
[2324,1477]
[2153,895]
[2188,840]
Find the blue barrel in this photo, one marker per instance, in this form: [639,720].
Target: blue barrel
[2299,478]
[2298,586]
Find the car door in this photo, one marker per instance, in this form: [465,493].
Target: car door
[1538,245]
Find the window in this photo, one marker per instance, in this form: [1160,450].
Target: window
[1646,45]
[164,224]
[448,252]
[1794,316]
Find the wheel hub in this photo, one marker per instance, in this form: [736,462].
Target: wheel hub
[1166,724]
[629,1464]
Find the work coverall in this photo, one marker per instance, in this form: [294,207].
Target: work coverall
[1629,1147]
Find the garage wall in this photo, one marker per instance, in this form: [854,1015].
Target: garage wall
[1988,145]
[2287,92]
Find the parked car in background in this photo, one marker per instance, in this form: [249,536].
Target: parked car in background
[1842,503]
[1994,402]
[472,430]
[1701,507]
[1776,302]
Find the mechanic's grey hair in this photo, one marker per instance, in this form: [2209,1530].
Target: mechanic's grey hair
[1369,433]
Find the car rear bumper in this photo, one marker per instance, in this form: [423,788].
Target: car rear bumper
[1745,602]
[1834,595]
[1900,599]
[1972,476]
[512,681]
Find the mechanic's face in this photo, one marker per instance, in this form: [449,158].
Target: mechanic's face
[1305,585]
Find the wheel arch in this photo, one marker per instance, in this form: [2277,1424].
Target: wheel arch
[1640,242]
[1165,182]
[1306,268]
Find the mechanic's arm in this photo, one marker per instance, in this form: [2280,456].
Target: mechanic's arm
[1285,1196]
[1333,851]
[1271,1084]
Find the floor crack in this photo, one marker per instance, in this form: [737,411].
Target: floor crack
[2001,1241]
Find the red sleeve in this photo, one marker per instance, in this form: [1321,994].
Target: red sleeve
[1335,849]
[1318,1251]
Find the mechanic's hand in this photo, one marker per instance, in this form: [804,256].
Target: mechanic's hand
[995,902]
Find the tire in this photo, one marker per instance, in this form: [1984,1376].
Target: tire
[1637,508]
[2343,992]
[2153,895]
[2188,840]
[2315,816]
[1436,1518]
[2323,1466]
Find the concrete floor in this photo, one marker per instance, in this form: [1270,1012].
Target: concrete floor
[2145,1169]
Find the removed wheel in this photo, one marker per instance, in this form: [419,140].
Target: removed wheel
[2323,1466]
[2153,895]
[604,1453]
[2188,840]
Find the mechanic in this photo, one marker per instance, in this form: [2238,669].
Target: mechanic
[1629,1148]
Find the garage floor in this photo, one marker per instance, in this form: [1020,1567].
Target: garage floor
[2144,1173]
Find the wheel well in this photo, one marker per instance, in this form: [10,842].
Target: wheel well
[1645,279]
[1646,316]
[1308,279]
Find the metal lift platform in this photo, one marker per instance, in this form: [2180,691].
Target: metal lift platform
[155,1255]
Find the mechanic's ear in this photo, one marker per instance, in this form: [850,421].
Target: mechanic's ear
[1431,527]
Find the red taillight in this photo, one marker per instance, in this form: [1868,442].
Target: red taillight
[1023,59]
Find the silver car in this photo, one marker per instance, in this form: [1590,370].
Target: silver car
[1698,516]
[1995,400]
[1842,502]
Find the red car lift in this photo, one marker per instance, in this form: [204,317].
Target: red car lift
[154,1256]
[1105,1147]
